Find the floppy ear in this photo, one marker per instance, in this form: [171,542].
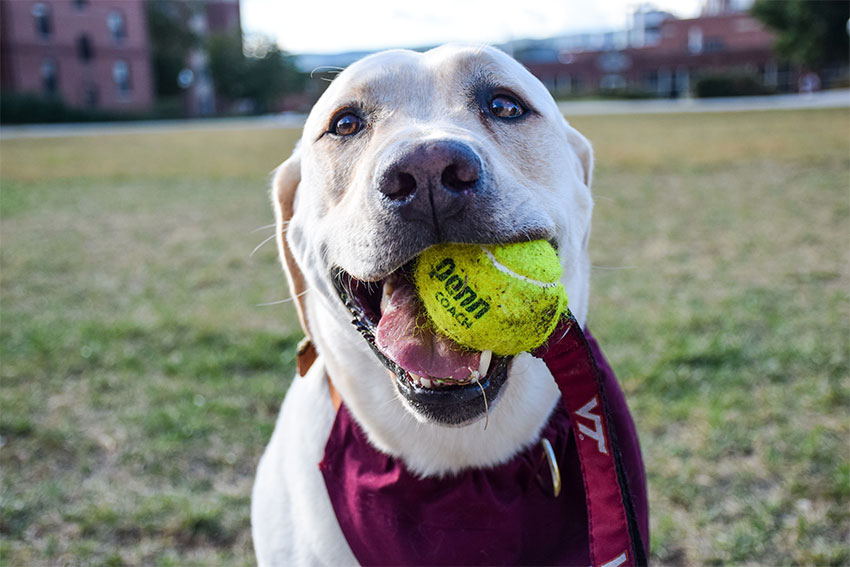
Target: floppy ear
[581,146]
[286,180]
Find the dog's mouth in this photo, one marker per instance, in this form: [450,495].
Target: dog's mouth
[440,380]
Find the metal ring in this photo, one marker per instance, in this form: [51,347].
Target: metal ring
[553,466]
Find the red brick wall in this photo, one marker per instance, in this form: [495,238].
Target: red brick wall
[729,43]
[223,16]
[735,31]
[25,50]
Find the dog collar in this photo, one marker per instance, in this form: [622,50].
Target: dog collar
[507,514]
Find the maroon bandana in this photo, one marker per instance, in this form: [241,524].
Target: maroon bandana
[506,515]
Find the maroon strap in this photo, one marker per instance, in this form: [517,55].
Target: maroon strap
[613,532]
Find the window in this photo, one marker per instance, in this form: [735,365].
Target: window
[49,77]
[714,44]
[613,81]
[85,50]
[121,76]
[650,80]
[80,4]
[41,15]
[695,40]
[116,24]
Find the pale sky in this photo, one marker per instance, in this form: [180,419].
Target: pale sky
[327,26]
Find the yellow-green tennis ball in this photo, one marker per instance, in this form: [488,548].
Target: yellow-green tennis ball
[506,298]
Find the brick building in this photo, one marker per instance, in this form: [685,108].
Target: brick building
[680,52]
[89,53]
[97,53]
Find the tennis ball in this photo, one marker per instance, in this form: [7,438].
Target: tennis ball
[505,298]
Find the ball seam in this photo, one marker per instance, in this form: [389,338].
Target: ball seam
[506,270]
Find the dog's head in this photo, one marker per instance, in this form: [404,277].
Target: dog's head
[403,151]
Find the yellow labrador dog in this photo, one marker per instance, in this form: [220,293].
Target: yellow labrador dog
[403,151]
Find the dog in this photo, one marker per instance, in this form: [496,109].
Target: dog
[405,150]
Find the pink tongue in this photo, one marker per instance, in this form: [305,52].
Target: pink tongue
[405,336]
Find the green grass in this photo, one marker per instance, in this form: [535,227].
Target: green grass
[140,382]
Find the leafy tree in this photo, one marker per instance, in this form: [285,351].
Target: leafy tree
[170,39]
[227,65]
[810,33]
[263,75]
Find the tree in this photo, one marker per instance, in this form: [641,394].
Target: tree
[227,65]
[170,39]
[263,75]
[809,33]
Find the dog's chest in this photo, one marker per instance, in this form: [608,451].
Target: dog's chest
[502,515]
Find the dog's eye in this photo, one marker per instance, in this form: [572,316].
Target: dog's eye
[347,124]
[505,106]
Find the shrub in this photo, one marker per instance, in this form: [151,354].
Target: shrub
[28,108]
[626,93]
[729,85]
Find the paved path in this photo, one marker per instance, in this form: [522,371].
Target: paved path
[827,99]
[267,122]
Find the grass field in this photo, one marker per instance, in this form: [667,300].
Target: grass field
[140,381]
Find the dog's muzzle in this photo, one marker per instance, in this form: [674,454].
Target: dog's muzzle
[441,381]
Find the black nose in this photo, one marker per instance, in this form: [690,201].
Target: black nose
[432,177]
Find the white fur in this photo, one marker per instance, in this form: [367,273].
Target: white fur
[292,519]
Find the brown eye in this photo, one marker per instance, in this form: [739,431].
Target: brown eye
[505,106]
[347,125]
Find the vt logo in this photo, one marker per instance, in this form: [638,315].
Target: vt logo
[596,433]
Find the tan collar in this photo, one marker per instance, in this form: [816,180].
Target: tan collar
[305,356]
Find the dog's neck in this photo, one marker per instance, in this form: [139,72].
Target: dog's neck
[368,390]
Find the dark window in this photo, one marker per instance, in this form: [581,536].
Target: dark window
[117,25]
[81,4]
[41,15]
[578,84]
[49,77]
[85,49]
[650,80]
[714,44]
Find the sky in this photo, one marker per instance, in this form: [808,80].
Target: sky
[330,26]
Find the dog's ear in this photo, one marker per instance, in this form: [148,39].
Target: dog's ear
[287,177]
[581,146]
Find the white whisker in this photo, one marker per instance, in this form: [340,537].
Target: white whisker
[287,300]
[331,69]
[261,243]
[259,228]
[486,407]
[566,331]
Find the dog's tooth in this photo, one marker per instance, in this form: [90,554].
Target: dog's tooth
[484,362]
[426,383]
[385,296]
[417,379]
[474,376]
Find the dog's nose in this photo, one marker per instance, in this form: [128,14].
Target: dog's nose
[432,177]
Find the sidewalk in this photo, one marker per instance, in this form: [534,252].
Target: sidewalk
[824,99]
[266,122]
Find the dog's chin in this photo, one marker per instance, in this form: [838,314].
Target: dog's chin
[454,406]
[451,401]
